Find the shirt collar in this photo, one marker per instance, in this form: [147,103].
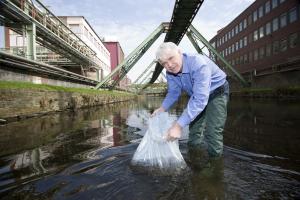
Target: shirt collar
[184,64]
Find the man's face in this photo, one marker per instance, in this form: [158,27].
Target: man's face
[172,61]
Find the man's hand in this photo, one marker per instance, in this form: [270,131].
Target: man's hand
[158,110]
[174,132]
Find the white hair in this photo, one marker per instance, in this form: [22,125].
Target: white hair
[164,48]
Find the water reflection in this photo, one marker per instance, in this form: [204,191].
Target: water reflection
[86,155]
[265,127]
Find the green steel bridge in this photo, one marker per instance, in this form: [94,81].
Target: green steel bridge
[42,26]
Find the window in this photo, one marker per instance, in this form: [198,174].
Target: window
[275,47]
[250,38]
[255,35]
[261,32]
[237,46]
[245,41]
[293,15]
[254,16]
[293,39]
[255,56]
[241,59]
[226,37]
[249,19]
[226,52]
[229,35]
[232,32]
[275,24]
[274,3]
[245,58]
[240,26]
[283,20]
[261,52]
[250,56]
[283,45]
[241,43]
[245,23]
[236,29]
[229,50]
[267,7]
[19,41]
[260,11]
[268,28]
[268,50]
[232,47]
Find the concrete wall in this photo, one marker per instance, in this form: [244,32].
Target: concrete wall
[6,75]
[17,104]
[275,80]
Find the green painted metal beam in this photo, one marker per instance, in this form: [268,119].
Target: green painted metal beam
[30,41]
[194,43]
[145,71]
[212,49]
[122,69]
[145,78]
[30,30]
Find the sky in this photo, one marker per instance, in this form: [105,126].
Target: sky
[130,22]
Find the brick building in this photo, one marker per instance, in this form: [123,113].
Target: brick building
[116,57]
[263,39]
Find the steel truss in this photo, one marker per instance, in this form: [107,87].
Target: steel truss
[195,36]
[110,81]
[50,31]
[121,70]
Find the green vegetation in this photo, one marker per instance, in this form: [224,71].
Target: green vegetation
[32,86]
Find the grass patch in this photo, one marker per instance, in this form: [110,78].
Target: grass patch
[32,86]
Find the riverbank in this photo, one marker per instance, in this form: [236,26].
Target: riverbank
[284,93]
[20,100]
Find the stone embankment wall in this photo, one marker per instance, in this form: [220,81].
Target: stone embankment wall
[17,104]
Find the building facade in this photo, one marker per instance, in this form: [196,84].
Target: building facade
[80,26]
[116,57]
[15,43]
[263,39]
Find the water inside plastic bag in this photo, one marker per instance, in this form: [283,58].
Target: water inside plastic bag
[156,154]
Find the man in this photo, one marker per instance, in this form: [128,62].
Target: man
[206,85]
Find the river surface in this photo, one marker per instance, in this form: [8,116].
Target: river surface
[86,155]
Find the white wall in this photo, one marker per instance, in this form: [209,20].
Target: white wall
[86,33]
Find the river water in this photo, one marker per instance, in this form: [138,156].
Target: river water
[86,155]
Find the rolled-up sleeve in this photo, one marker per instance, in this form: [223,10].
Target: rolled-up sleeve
[173,94]
[197,102]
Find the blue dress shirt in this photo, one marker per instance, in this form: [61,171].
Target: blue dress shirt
[199,77]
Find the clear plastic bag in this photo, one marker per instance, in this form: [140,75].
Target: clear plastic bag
[154,153]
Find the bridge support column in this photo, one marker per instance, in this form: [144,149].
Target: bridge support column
[31,41]
[98,72]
